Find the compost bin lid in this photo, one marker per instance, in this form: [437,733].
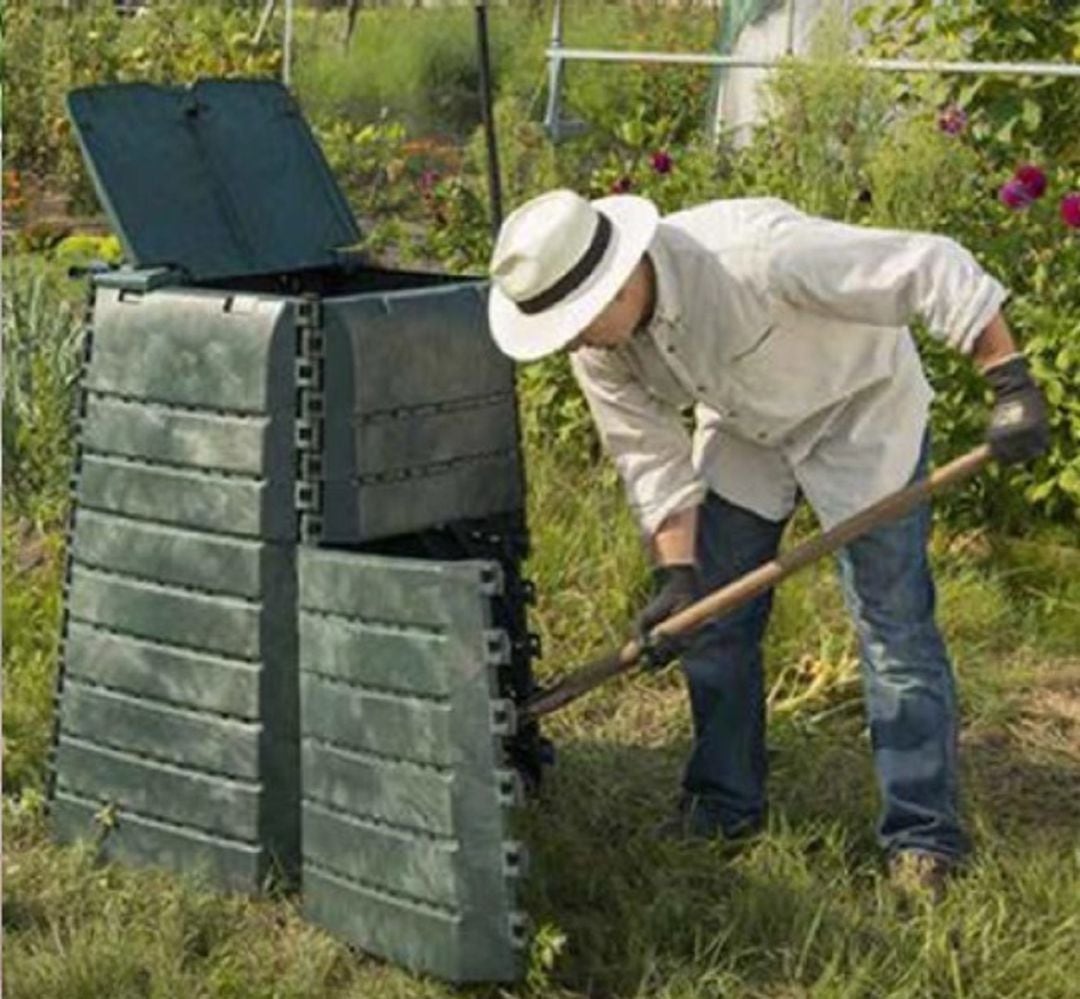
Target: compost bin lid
[222,178]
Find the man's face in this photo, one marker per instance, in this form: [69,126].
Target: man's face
[629,309]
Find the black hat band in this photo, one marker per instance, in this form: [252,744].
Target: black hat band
[577,274]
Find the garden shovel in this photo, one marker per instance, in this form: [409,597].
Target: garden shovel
[736,593]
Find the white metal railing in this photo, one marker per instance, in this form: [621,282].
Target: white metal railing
[558,55]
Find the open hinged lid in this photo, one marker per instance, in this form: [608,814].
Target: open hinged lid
[221,179]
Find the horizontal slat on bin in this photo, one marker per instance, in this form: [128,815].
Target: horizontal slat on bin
[422,347]
[411,933]
[389,858]
[160,790]
[180,736]
[181,676]
[424,938]
[219,624]
[139,839]
[190,348]
[180,557]
[416,439]
[386,724]
[185,437]
[472,488]
[243,506]
[401,794]
[381,590]
[395,658]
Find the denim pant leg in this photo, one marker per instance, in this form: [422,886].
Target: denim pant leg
[908,684]
[726,770]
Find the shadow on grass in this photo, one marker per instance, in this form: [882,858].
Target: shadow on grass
[805,900]
[637,908]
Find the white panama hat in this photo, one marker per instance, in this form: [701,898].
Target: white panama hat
[558,262]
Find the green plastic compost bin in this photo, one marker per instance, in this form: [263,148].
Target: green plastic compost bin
[294,627]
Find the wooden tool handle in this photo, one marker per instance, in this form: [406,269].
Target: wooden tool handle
[745,588]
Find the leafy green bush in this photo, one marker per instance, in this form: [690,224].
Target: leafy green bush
[1008,113]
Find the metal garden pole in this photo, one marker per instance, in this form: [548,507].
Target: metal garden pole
[488,113]
[286,62]
[553,113]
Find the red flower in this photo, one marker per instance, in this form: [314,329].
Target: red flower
[952,119]
[622,185]
[1014,195]
[1070,209]
[1033,180]
[662,161]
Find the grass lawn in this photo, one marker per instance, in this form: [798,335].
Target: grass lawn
[803,911]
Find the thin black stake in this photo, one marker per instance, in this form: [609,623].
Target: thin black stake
[486,110]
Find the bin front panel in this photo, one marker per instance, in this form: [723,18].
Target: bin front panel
[406,793]
[178,713]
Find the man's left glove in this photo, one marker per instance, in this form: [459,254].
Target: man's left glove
[1019,430]
[675,587]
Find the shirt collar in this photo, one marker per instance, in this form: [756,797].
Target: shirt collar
[667,308]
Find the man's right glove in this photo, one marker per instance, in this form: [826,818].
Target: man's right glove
[1019,430]
[675,587]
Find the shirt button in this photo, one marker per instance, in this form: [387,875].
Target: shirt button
[700,388]
[670,348]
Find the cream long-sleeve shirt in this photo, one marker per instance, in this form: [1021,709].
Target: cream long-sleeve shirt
[788,335]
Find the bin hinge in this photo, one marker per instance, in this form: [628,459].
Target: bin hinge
[310,412]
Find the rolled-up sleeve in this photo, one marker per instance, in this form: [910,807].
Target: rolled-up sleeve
[644,436]
[882,277]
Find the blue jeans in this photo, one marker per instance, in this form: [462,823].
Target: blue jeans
[907,679]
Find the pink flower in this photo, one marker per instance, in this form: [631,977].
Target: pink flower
[428,179]
[1033,179]
[662,161]
[622,185]
[1070,209]
[1014,195]
[952,119]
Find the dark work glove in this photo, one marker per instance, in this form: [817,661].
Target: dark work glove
[674,588]
[1018,430]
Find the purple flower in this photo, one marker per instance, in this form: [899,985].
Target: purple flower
[952,119]
[428,180]
[1070,209]
[662,161]
[622,185]
[1014,195]
[1033,179]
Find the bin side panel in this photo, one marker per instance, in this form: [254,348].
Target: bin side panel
[404,796]
[178,695]
[420,427]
